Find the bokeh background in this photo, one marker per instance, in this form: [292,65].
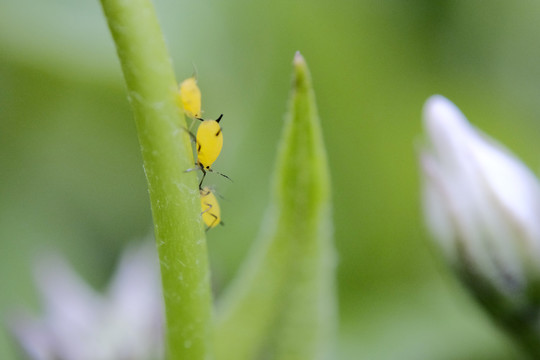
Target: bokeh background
[71,179]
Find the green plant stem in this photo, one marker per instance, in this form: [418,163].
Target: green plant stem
[282,303]
[174,196]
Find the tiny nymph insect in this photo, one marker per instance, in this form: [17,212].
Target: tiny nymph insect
[211,213]
[189,97]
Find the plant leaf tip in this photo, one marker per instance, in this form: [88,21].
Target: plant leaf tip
[301,78]
[298,59]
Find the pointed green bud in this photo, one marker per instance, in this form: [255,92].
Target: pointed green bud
[282,303]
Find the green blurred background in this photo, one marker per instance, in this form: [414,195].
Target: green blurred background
[71,178]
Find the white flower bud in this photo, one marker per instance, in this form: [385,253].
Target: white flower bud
[481,203]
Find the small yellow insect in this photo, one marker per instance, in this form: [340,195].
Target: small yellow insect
[211,213]
[189,97]
[209,142]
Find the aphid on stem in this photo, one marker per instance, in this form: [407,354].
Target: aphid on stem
[209,141]
[189,97]
[211,213]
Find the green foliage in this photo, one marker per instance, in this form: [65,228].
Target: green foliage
[174,195]
[72,179]
[281,305]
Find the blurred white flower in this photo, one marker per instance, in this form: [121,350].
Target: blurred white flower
[126,323]
[481,203]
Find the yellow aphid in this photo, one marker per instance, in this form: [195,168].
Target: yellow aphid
[209,142]
[211,213]
[189,96]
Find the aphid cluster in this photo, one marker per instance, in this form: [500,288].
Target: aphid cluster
[208,141]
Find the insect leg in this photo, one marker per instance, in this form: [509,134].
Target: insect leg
[193,169]
[202,179]
[213,222]
[191,135]
[208,209]
[217,172]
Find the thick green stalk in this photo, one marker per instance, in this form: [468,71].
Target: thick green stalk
[174,196]
[282,303]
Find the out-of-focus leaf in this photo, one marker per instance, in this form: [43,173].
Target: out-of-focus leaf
[282,304]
